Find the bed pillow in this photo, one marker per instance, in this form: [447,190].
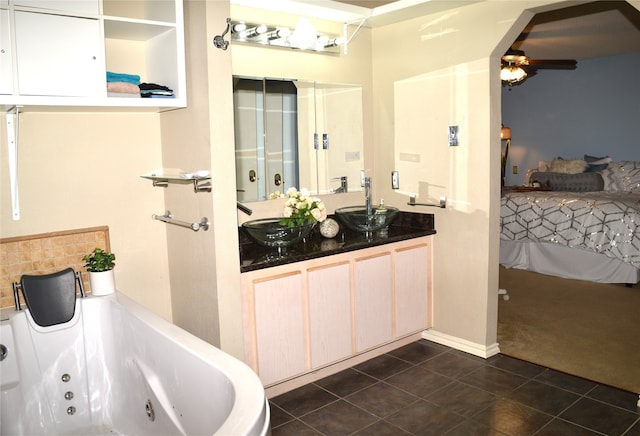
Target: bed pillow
[610,176]
[622,176]
[596,163]
[582,182]
[567,166]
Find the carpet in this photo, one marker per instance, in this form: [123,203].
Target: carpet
[591,330]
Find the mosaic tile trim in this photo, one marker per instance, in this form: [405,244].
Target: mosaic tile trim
[46,253]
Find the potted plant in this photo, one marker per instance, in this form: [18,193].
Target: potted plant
[100,263]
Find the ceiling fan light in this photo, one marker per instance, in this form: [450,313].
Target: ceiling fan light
[512,74]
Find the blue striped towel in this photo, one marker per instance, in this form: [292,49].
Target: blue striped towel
[121,77]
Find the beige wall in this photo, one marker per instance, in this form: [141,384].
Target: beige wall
[80,170]
[432,72]
[186,144]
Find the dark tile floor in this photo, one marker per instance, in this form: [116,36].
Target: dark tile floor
[428,389]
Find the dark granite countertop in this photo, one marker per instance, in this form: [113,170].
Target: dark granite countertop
[407,225]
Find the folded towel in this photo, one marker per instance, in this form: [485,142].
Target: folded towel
[121,77]
[156,92]
[123,95]
[157,96]
[154,87]
[123,87]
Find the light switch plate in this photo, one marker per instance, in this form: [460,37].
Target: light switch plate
[395,180]
[453,136]
[362,178]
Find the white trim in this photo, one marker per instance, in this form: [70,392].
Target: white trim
[479,350]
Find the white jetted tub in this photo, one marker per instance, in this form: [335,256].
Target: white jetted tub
[117,368]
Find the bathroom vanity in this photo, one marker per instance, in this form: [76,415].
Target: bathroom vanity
[328,304]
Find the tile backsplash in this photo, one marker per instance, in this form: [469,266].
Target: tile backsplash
[46,253]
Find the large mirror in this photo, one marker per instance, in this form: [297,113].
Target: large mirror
[292,133]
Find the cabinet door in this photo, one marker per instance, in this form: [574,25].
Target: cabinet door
[77,6]
[373,301]
[6,68]
[329,314]
[280,337]
[412,270]
[63,62]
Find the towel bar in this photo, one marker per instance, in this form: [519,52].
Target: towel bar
[442,204]
[168,218]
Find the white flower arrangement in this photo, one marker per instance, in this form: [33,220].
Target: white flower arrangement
[300,208]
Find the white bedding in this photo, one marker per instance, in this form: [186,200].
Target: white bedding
[600,222]
[570,263]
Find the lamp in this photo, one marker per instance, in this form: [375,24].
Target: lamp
[303,37]
[505,135]
[280,32]
[238,27]
[334,42]
[255,31]
[512,73]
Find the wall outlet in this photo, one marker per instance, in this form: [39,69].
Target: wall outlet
[410,157]
[395,180]
[351,156]
[515,169]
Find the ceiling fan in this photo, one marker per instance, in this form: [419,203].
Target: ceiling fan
[516,66]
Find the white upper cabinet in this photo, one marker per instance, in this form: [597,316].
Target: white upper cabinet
[74,6]
[64,62]
[63,50]
[6,66]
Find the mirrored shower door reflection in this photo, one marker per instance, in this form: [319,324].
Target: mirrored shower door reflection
[266,138]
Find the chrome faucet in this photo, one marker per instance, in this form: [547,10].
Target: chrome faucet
[343,185]
[367,196]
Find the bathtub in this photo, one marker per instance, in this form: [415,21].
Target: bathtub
[116,368]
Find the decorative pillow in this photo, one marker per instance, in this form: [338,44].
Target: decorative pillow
[622,176]
[610,178]
[568,166]
[543,165]
[629,175]
[596,163]
[581,182]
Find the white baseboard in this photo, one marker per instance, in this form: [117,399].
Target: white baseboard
[479,350]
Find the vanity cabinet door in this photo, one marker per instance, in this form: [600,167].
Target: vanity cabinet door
[373,301]
[279,324]
[302,319]
[412,289]
[330,314]
[6,67]
[63,61]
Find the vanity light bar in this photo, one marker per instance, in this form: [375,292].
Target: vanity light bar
[279,36]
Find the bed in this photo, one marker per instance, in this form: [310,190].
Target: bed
[583,225]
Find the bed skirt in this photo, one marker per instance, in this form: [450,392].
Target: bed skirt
[561,261]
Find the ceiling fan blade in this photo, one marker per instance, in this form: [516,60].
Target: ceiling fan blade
[553,63]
